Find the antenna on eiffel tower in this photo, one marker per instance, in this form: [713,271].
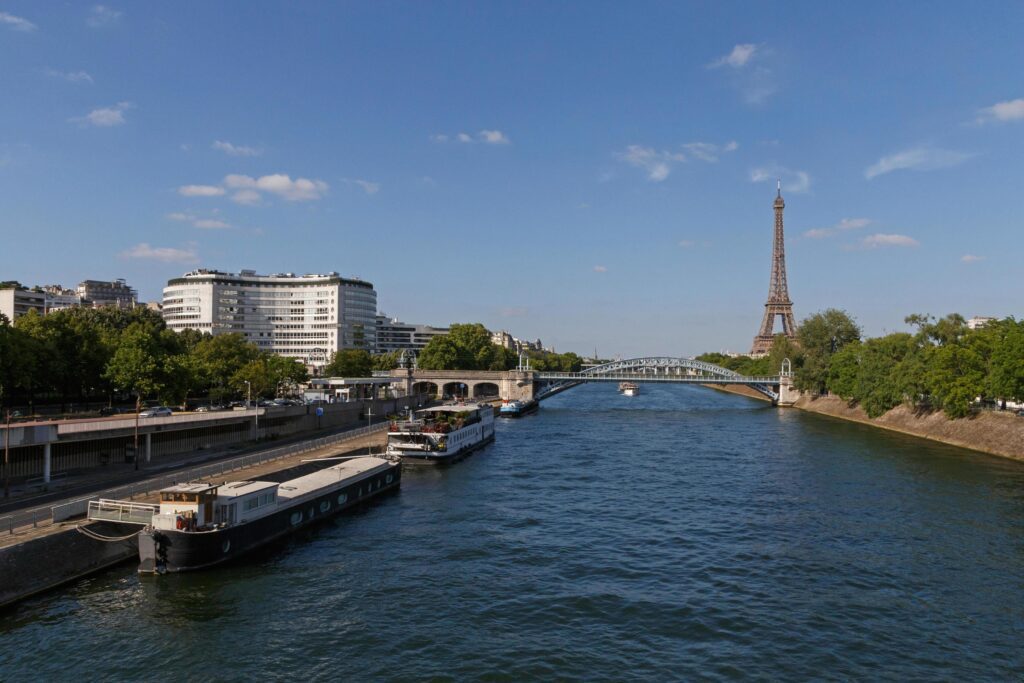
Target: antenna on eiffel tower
[778,184]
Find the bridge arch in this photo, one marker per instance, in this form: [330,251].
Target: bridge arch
[486,390]
[655,368]
[428,388]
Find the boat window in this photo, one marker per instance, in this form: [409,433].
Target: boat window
[342,498]
[296,518]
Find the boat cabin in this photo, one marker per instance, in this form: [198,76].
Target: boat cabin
[242,501]
[190,507]
[187,506]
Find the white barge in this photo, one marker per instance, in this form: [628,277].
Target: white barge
[441,434]
[199,525]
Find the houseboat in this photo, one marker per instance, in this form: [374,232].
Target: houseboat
[441,434]
[629,388]
[200,525]
[518,408]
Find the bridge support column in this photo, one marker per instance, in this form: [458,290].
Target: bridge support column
[149,447]
[788,394]
[47,461]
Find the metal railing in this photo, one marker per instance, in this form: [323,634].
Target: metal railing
[121,511]
[74,508]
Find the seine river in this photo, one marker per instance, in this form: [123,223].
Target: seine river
[683,534]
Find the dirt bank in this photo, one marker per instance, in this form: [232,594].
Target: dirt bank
[741,389]
[994,432]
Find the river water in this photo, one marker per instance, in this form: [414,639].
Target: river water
[682,534]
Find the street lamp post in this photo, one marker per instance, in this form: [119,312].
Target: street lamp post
[7,457]
[248,404]
[138,408]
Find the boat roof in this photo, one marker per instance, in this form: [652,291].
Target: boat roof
[234,489]
[311,483]
[451,408]
[190,487]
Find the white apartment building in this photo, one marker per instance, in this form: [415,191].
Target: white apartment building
[307,317]
[393,335]
[17,301]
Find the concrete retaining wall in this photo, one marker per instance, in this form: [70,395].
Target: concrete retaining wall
[60,558]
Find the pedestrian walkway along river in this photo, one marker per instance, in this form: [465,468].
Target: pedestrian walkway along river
[677,534]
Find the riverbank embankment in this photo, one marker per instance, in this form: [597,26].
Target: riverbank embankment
[994,432]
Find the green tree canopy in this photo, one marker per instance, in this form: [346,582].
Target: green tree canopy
[349,363]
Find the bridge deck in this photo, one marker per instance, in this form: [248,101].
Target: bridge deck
[647,377]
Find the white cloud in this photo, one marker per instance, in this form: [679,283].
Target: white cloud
[101,15]
[738,58]
[70,76]
[246,197]
[1011,110]
[971,258]
[707,151]
[600,269]
[916,159]
[792,181]
[105,117]
[493,137]
[841,226]
[211,224]
[892,240]
[17,23]
[164,254]
[489,137]
[748,72]
[366,185]
[178,216]
[236,150]
[200,191]
[657,164]
[686,244]
[298,190]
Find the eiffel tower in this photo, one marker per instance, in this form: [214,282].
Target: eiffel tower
[778,304]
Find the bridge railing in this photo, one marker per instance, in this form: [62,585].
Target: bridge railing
[654,377]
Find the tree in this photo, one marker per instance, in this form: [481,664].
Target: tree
[219,357]
[349,363]
[1006,374]
[820,336]
[138,363]
[386,361]
[955,377]
[440,353]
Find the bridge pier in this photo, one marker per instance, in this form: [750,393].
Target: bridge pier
[788,394]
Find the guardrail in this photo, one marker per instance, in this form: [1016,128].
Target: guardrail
[80,506]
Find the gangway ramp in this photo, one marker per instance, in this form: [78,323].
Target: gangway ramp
[124,511]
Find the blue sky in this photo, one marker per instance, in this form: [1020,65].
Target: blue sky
[597,175]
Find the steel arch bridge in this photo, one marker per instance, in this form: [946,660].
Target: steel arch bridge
[653,369]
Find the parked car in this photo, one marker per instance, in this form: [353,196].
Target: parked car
[1020,413]
[157,411]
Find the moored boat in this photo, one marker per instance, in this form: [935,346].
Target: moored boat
[441,434]
[200,524]
[630,388]
[518,408]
